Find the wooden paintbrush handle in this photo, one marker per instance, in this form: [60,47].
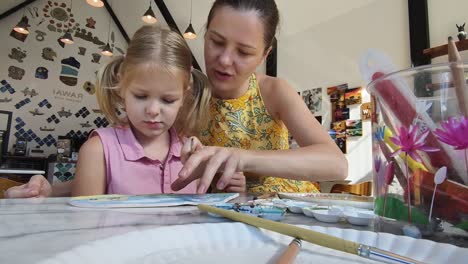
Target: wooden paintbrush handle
[290,253]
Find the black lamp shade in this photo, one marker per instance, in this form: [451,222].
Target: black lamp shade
[149,16]
[22,26]
[67,38]
[107,51]
[189,32]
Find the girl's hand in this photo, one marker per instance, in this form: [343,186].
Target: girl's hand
[38,186]
[204,163]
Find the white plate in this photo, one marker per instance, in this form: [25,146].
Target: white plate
[239,243]
[330,199]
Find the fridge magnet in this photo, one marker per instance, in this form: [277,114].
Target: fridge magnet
[48,54]
[22,103]
[40,22]
[45,103]
[313,99]
[36,112]
[40,36]
[335,91]
[60,17]
[45,128]
[81,51]
[15,72]
[339,126]
[461,32]
[42,73]
[17,54]
[33,12]
[353,96]
[63,113]
[28,92]
[6,87]
[88,36]
[85,124]
[89,87]
[365,111]
[354,128]
[341,114]
[339,138]
[96,58]
[69,72]
[90,22]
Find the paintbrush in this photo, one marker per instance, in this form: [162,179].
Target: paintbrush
[314,237]
[291,252]
[458,76]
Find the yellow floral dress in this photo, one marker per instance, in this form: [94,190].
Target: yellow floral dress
[245,123]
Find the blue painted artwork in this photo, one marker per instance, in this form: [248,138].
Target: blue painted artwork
[156,200]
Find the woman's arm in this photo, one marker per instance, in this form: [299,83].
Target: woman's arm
[318,158]
[90,176]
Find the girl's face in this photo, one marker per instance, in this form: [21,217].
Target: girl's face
[234,47]
[152,100]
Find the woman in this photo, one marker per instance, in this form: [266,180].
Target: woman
[251,115]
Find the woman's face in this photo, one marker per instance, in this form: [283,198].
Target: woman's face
[234,47]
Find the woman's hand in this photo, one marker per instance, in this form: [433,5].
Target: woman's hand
[38,186]
[203,162]
[237,183]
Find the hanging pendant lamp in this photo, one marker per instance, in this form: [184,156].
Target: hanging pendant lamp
[22,26]
[149,17]
[190,32]
[95,3]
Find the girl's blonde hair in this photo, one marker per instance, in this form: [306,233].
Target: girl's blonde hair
[153,46]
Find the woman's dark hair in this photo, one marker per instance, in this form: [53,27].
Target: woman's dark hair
[266,9]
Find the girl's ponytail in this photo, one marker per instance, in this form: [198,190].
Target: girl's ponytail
[194,115]
[107,90]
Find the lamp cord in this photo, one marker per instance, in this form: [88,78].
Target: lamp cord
[191,2]
[108,32]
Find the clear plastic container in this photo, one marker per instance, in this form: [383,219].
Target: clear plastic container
[420,141]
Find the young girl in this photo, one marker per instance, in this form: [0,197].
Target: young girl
[140,153]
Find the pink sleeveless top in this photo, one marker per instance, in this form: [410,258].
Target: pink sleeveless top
[129,171]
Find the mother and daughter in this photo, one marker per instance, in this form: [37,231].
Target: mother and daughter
[186,132]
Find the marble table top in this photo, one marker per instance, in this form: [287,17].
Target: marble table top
[32,230]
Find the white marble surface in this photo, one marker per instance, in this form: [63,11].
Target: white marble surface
[35,229]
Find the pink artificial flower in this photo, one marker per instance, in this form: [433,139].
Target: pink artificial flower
[454,132]
[410,142]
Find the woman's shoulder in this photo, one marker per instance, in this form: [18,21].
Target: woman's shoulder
[268,83]
[274,91]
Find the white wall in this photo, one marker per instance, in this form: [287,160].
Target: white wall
[320,43]
[71,98]
[443,15]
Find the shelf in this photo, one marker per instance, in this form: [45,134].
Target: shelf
[443,49]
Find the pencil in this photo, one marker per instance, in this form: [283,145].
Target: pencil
[291,252]
[311,236]
[458,76]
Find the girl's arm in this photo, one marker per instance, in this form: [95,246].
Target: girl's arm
[317,159]
[90,176]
